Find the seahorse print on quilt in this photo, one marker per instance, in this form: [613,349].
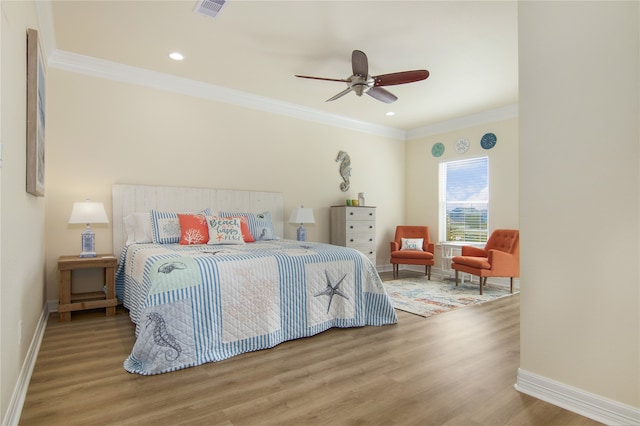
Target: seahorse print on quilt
[162,337]
[165,339]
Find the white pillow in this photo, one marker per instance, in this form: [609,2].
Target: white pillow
[129,222]
[412,244]
[138,228]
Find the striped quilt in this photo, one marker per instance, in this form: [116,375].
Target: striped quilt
[198,304]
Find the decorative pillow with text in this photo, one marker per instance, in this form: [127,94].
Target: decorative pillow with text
[224,230]
[412,244]
[246,232]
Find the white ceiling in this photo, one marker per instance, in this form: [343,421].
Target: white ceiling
[469,48]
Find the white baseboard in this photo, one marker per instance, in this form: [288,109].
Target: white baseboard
[14,411]
[577,400]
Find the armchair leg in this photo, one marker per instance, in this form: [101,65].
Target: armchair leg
[483,282]
[427,271]
[511,278]
[395,271]
[456,277]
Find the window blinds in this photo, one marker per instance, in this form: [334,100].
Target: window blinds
[464,200]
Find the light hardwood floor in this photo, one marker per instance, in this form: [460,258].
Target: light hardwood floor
[457,368]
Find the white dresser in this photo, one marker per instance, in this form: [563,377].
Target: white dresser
[355,227]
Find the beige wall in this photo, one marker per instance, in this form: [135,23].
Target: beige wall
[422,175]
[21,215]
[579,203]
[102,132]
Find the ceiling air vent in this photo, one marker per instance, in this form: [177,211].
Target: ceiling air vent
[209,7]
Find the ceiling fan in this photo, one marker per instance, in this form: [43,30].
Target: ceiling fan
[361,82]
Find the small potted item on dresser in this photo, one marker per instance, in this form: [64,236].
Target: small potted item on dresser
[361,199]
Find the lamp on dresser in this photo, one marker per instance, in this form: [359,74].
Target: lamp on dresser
[88,212]
[302,215]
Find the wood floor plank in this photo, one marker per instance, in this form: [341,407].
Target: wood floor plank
[456,368]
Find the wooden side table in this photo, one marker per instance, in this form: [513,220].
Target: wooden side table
[70,301]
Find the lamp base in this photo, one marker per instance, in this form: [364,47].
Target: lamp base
[88,243]
[302,233]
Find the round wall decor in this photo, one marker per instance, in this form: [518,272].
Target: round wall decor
[437,149]
[462,145]
[488,141]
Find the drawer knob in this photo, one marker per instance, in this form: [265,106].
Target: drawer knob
[351,226]
[370,226]
[351,213]
[351,240]
[370,239]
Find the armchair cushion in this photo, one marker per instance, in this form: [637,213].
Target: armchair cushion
[411,255]
[473,262]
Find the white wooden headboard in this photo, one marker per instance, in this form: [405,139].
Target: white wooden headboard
[127,199]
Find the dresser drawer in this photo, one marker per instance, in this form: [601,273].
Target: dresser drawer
[368,250]
[360,227]
[360,239]
[360,213]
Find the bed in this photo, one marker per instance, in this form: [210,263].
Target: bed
[199,303]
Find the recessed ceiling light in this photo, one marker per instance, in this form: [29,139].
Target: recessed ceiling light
[390,113]
[176,56]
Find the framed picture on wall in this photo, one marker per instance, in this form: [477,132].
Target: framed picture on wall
[35,115]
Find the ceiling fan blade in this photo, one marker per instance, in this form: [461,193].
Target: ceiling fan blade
[325,79]
[400,77]
[359,63]
[339,95]
[382,95]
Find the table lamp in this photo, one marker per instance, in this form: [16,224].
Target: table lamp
[88,212]
[302,215]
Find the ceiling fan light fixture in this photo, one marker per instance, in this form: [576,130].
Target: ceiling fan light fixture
[176,56]
[390,113]
[361,82]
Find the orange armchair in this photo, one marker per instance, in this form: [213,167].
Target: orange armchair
[412,256]
[499,258]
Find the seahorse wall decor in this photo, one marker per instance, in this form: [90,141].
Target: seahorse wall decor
[345,170]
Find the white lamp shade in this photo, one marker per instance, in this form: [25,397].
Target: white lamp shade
[88,212]
[302,215]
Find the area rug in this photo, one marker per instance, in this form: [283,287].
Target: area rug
[426,298]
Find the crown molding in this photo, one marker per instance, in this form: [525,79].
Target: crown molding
[87,65]
[490,116]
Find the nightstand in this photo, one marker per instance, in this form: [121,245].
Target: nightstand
[70,301]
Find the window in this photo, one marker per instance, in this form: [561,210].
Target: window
[464,200]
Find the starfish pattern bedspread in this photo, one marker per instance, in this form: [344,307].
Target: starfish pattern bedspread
[205,303]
